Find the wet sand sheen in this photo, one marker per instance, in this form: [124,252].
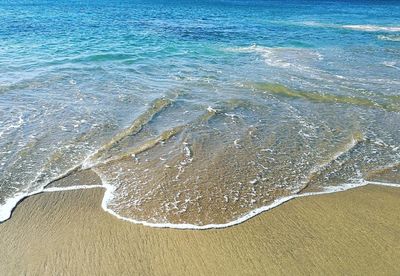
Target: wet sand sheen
[357,231]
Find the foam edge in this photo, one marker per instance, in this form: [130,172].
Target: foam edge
[108,195]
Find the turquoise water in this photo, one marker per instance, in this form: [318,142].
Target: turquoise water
[198,112]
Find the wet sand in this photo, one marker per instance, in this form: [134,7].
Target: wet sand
[352,232]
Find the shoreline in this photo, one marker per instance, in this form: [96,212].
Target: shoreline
[247,216]
[68,232]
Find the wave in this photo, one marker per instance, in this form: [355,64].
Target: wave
[102,155]
[395,38]
[283,57]
[164,136]
[109,189]
[9,203]
[159,145]
[151,143]
[156,107]
[358,27]
[391,64]
[372,28]
[356,139]
[328,190]
[112,190]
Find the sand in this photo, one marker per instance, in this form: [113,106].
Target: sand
[356,232]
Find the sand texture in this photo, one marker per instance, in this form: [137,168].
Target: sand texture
[356,232]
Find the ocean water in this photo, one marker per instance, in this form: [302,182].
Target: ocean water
[198,113]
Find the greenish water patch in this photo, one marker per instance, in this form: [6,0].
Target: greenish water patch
[387,103]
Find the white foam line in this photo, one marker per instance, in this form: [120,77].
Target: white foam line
[109,189]
[11,203]
[363,28]
[372,28]
[108,195]
[383,184]
[394,38]
[71,188]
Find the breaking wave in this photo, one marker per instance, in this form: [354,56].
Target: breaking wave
[232,156]
[362,28]
[395,38]
[372,28]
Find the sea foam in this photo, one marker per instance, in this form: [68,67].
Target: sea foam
[372,28]
[108,195]
[356,27]
[11,203]
[394,38]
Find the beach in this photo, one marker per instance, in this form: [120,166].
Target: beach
[353,232]
[234,137]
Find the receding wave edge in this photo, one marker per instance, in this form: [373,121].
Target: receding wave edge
[108,195]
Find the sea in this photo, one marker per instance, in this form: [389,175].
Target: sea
[197,114]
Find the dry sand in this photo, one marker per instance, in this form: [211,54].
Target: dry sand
[67,233]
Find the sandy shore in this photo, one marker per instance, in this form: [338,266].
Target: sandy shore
[352,232]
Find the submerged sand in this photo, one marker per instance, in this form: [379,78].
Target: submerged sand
[352,232]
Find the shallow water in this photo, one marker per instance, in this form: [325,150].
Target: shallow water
[198,112]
